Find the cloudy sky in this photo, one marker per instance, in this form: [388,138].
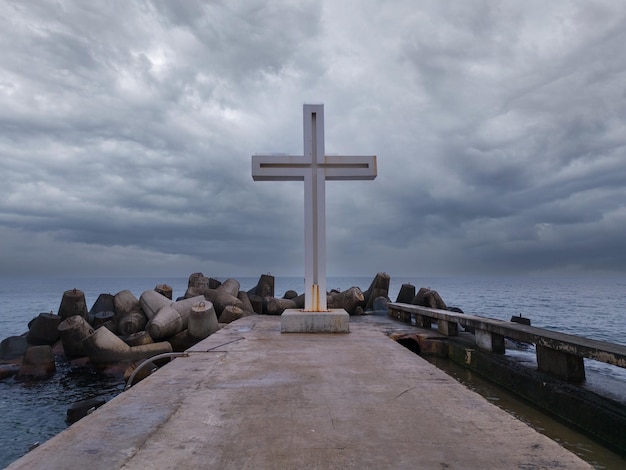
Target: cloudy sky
[126,131]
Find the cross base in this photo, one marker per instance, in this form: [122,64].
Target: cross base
[335,320]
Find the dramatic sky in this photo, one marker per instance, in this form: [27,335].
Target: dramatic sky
[127,127]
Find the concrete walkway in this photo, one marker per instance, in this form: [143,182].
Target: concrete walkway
[249,397]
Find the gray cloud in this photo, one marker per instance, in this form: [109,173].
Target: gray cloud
[126,130]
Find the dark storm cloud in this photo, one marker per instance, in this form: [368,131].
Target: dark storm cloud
[126,130]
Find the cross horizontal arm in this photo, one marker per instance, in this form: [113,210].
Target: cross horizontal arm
[294,168]
[349,167]
[278,168]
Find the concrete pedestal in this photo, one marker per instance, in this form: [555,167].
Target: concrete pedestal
[299,321]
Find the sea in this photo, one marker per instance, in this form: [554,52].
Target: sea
[592,307]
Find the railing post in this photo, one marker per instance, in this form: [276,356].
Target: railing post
[422,321]
[488,341]
[448,328]
[560,364]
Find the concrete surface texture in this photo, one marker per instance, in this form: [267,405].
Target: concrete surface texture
[249,397]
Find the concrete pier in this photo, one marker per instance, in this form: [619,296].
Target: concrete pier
[249,397]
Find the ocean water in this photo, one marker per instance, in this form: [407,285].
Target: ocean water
[34,412]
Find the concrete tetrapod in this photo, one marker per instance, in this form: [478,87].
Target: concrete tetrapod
[164,290]
[139,338]
[429,298]
[104,347]
[246,305]
[151,302]
[73,303]
[172,319]
[73,330]
[230,314]
[274,306]
[43,329]
[264,287]
[165,324]
[125,302]
[184,306]
[80,409]
[406,294]
[13,347]
[131,322]
[102,318]
[349,299]
[378,288]
[104,303]
[222,296]
[226,295]
[38,363]
[202,320]
[263,290]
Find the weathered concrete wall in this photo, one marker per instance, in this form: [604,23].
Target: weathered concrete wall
[595,415]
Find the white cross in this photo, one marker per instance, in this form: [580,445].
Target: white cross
[314,169]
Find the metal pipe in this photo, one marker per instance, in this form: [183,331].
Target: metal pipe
[148,361]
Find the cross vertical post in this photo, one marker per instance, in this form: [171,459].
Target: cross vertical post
[315,217]
[314,168]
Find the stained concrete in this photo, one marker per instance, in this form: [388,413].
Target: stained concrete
[249,397]
[298,321]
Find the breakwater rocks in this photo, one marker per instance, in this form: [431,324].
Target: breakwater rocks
[120,331]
